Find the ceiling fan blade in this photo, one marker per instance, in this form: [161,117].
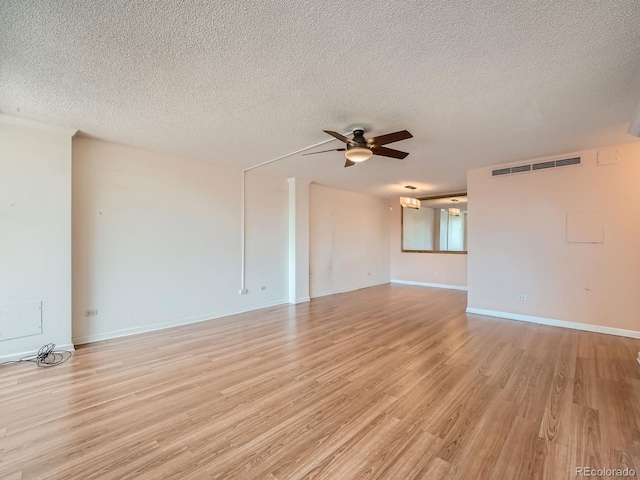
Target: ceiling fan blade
[349,164]
[340,137]
[389,152]
[323,151]
[390,138]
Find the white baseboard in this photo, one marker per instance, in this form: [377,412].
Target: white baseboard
[620,332]
[348,289]
[172,323]
[17,356]
[434,285]
[300,300]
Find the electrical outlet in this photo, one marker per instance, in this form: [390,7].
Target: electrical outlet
[263,287]
[522,297]
[243,291]
[91,313]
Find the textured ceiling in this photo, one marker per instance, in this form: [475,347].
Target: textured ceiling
[241,82]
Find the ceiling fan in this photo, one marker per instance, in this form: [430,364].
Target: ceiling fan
[360,149]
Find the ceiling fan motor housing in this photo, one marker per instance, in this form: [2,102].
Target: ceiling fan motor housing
[358,136]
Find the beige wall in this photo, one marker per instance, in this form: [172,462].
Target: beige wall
[349,240]
[157,240]
[35,233]
[430,268]
[267,227]
[517,242]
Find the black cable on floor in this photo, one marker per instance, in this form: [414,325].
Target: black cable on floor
[47,356]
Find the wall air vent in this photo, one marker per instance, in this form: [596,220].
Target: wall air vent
[501,171]
[543,165]
[568,161]
[565,162]
[521,168]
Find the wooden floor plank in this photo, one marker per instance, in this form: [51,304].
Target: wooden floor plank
[389,382]
[515,459]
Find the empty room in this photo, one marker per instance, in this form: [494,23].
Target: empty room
[319,240]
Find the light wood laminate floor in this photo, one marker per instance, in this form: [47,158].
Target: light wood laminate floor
[392,382]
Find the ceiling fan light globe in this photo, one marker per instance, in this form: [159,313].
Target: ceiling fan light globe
[358,154]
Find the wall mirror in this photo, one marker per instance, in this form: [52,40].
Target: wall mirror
[438,226]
